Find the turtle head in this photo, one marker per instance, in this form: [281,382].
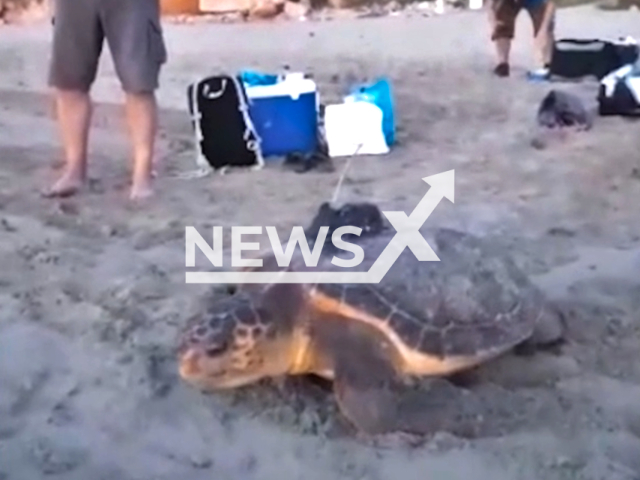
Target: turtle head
[242,338]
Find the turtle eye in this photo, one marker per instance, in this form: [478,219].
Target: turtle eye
[216,351]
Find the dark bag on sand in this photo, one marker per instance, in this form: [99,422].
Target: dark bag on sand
[619,93]
[578,58]
[561,109]
[366,216]
[225,135]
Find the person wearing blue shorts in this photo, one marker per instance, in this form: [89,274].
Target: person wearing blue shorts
[503,14]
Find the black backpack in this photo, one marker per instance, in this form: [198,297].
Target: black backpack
[578,58]
[225,135]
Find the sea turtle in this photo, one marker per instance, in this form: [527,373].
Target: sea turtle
[424,319]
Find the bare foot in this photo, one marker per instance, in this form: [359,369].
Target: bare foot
[141,191]
[69,184]
[393,440]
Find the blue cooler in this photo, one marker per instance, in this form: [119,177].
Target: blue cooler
[285,115]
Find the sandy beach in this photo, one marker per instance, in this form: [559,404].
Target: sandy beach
[92,290]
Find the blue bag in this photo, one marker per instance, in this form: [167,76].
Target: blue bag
[379,93]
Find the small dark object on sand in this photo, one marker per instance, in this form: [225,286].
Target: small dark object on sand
[318,160]
[304,163]
[561,109]
[366,216]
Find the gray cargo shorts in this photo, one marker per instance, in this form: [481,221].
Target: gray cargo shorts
[133,33]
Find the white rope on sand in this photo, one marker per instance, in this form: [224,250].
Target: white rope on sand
[343,175]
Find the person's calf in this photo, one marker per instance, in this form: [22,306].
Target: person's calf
[73,111]
[142,121]
[544,30]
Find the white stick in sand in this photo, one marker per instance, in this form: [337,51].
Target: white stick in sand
[336,192]
[439,6]
[475,4]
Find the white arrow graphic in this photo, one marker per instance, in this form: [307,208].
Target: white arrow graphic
[407,235]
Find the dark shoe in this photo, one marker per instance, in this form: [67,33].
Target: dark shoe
[304,163]
[501,70]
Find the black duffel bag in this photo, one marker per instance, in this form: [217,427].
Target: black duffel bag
[619,93]
[579,58]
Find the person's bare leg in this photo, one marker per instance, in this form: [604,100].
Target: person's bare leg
[544,34]
[502,20]
[141,113]
[134,34]
[503,49]
[73,110]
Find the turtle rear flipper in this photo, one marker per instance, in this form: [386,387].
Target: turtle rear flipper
[378,403]
[549,333]
[377,399]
